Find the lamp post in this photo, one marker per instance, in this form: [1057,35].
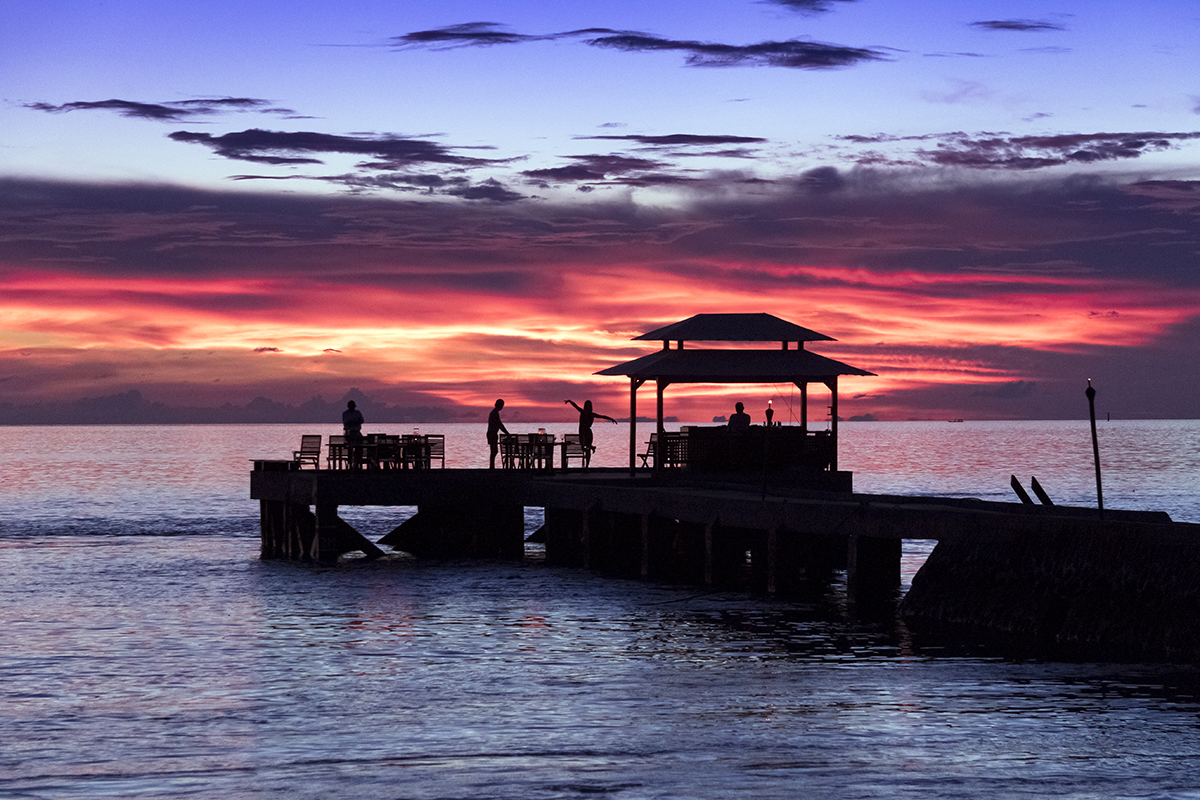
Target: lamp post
[767,446]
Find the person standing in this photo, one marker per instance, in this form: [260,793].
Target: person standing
[494,429]
[352,422]
[586,417]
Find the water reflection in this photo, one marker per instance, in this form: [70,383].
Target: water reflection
[173,662]
[188,665]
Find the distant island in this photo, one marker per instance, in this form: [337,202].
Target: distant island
[132,408]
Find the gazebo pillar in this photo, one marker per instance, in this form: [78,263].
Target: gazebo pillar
[634,383]
[803,406]
[660,441]
[833,418]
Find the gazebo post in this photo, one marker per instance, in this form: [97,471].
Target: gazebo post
[660,441]
[803,406]
[634,383]
[833,418]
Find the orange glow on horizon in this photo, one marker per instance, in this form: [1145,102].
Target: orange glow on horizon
[466,347]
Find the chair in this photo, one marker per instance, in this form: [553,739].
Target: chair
[674,451]
[542,451]
[310,450]
[572,448]
[524,451]
[509,450]
[414,450]
[650,446]
[437,449]
[389,452]
[337,458]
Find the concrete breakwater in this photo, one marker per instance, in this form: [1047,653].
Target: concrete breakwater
[1120,589]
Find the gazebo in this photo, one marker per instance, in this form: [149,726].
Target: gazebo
[787,364]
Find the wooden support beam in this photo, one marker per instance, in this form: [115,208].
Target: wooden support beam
[645,545]
[1020,490]
[272,532]
[585,536]
[772,560]
[872,571]
[708,553]
[1040,492]
[325,549]
[351,540]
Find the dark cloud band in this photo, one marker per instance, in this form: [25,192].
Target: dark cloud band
[1035,152]
[302,147]
[1016,25]
[807,6]
[175,111]
[684,139]
[996,151]
[792,53]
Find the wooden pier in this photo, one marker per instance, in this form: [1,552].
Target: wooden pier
[775,538]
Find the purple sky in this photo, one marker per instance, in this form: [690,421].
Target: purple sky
[984,203]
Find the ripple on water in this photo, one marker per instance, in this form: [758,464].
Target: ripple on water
[160,667]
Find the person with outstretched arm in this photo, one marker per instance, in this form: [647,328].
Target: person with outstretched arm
[586,417]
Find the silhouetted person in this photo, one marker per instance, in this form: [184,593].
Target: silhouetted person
[352,422]
[586,417]
[740,420]
[495,427]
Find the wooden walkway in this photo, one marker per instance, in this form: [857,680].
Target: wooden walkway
[707,532]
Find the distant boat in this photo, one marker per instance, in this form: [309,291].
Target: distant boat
[954,420]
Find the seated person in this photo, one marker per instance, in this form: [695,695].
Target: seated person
[740,420]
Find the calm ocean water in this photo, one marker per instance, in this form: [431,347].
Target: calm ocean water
[147,652]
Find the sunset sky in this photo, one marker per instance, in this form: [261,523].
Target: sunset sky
[985,203]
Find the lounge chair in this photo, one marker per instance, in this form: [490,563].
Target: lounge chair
[310,450]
